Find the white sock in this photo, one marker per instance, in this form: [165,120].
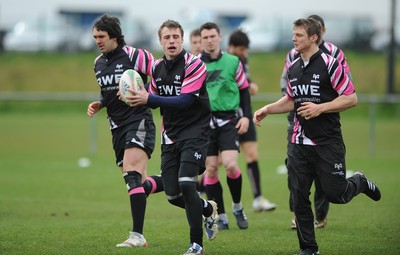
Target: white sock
[237,206]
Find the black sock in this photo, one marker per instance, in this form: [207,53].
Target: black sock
[137,197]
[235,186]
[214,192]
[153,184]
[254,177]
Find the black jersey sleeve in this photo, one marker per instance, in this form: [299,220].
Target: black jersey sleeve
[245,103]
[181,102]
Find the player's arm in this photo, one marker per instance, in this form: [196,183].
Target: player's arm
[181,102]
[283,105]
[310,110]
[283,82]
[241,80]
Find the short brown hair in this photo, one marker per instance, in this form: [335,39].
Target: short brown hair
[170,24]
[312,27]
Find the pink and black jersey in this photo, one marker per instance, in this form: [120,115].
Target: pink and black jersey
[108,69]
[322,80]
[185,74]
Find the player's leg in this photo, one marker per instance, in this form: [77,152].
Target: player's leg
[302,174]
[135,164]
[336,187]
[229,149]
[293,224]
[250,151]
[321,205]
[136,143]
[169,173]
[153,184]
[214,190]
[190,168]
[212,183]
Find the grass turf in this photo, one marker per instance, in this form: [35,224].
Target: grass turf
[49,205]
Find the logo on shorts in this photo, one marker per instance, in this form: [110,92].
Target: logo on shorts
[339,171]
[338,166]
[197,155]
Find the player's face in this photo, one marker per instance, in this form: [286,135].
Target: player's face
[210,40]
[301,40]
[171,41]
[103,41]
[195,45]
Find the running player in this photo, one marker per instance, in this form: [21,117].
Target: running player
[317,90]
[132,128]
[178,88]
[321,204]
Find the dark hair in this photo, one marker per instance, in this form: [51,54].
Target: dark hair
[170,24]
[209,26]
[312,27]
[112,26]
[318,18]
[239,38]
[195,32]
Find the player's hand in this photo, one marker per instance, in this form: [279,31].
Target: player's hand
[259,115]
[93,108]
[253,89]
[242,125]
[138,97]
[308,110]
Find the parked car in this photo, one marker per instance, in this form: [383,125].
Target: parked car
[42,33]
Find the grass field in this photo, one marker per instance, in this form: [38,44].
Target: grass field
[49,205]
[74,72]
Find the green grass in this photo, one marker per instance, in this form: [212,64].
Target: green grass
[48,205]
[74,72]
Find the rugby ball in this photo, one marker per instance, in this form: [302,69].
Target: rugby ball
[129,79]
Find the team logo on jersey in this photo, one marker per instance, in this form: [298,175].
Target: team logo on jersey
[306,89]
[315,78]
[177,79]
[118,68]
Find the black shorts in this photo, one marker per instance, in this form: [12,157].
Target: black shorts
[191,151]
[223,138]
[185,159]
[139,134]
[251,135]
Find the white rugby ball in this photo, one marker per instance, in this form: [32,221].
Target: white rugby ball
[129,79]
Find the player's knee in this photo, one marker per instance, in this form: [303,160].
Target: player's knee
[177,200]
[133,180]
[231,166]
[211,172]
[187,187]
[251,156]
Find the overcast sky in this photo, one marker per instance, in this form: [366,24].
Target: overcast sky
[156,11]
